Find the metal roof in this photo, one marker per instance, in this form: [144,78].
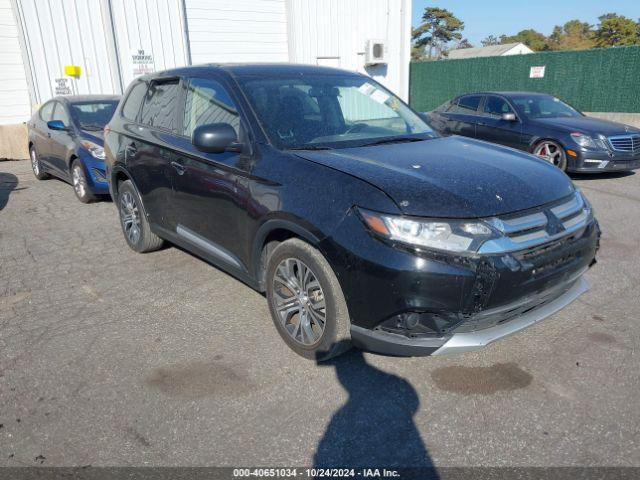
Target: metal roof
[490,51]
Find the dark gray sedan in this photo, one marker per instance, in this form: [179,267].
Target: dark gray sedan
[543,125]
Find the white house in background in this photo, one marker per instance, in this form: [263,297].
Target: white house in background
[490,51]
[99,46]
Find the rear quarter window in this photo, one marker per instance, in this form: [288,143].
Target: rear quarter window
[132,103]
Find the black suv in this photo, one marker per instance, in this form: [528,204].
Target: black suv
[327,192]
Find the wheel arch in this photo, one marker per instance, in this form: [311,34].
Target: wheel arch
[270,235]
[118,175]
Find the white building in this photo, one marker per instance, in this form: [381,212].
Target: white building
[50,47]
[490,51]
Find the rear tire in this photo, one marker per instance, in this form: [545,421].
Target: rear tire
[306,301]
[133,221]
[80,184]
[36,165]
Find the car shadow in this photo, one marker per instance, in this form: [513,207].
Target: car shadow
[375,427]
[8,183]
[601,176]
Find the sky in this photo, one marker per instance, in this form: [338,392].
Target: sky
[495,17]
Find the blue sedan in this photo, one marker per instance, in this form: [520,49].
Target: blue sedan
[66,141]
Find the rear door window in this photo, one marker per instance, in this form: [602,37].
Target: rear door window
[160,104]
[131,106]
[468,105]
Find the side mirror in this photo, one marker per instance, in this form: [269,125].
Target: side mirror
[509,117]
[56,125]
[215,138]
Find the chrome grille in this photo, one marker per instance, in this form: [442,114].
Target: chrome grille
[536,228]
[625,143]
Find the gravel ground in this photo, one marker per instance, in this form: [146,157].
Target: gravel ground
[108,357]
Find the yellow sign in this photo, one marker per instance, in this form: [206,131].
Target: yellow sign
[72,70]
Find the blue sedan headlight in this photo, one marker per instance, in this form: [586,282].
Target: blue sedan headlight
[94,149]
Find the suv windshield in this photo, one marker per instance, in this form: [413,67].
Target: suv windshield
[93,115]
[544,107]
[331,111]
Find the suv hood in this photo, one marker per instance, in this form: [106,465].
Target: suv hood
[588,125]
[453,177]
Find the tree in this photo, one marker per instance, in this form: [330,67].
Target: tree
[464,43]
[573,35]
[439,26]
[490,40]
[532,39]
[616,30]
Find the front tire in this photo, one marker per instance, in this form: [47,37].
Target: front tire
[80,184]
[36,165]
[306,301]
[133,221]
[552,152]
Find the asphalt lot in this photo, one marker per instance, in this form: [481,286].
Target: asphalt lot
[108,357]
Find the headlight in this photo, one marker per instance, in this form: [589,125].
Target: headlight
[583,140]
[448,235]
[95,150]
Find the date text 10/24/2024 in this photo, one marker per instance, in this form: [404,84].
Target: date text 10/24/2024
[316,472]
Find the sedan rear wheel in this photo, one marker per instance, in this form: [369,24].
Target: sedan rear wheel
[552,153]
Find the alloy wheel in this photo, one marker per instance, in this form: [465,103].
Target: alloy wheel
[552,153]
[35,163]
[299,301]
[129,215]
[79,182]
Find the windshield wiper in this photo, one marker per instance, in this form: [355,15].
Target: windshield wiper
[394,140]
[311,147]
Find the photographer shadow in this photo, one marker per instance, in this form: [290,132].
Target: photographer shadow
[375,427]
[8,183]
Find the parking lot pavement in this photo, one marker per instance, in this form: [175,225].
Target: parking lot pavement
[108,357]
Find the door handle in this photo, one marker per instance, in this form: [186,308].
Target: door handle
[179,167]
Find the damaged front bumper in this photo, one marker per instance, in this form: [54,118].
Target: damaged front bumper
[408,303]
[399,345]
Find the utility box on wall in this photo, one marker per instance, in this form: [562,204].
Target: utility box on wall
[375,52]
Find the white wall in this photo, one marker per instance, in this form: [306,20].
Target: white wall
[237,30]
[14,91]
[334,33]
[155,26]
[59,33]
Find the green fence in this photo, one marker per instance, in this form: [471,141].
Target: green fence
[602,80]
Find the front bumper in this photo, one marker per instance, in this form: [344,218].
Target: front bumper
[95,174]
[596,162]
[467,302]
[392,344]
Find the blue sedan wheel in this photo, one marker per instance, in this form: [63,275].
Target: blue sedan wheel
[36,165]
[80,185]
